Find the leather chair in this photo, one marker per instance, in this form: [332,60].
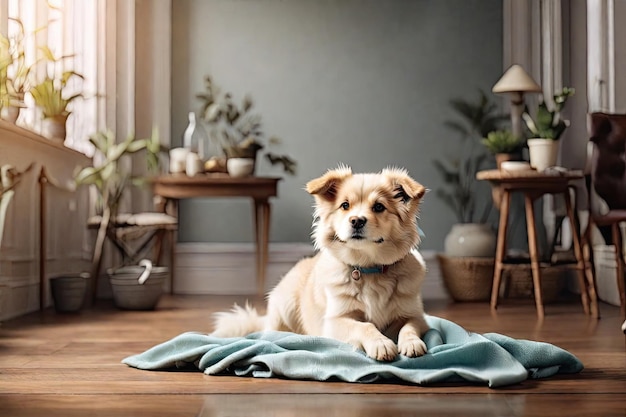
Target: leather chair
[607,180]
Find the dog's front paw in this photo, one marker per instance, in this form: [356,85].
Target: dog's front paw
[381,349]
[412,347]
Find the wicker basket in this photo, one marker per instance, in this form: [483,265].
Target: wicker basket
[520,282]
[467,278]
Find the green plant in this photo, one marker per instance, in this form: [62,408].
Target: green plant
[111,176]
[237,129]
[15,72]
[11,54]
[474,120]
[6,60]
[548,123]
[502,141]
[53,94]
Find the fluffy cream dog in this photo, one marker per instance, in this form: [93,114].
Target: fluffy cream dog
[363,286]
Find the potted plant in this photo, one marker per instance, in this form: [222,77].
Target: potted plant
[14,73]
[473,121]
[504,145]
[467,262]
[237,130]
[546,128]
[111,176]
[54,93]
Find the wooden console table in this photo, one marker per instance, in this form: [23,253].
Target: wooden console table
[179,186]
[533,185]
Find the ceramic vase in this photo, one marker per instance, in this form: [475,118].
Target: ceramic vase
[543,153]
[470,240]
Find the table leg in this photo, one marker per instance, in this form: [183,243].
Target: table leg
[500,247]
[619,258]
[581,265]
[261,229]
[534,253]
[589,272]
[170,207]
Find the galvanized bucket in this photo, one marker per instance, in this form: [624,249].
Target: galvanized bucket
[138,287]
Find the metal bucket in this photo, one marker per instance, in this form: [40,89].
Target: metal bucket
[68,291]
[138,287]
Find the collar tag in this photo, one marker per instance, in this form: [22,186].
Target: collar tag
[356,274]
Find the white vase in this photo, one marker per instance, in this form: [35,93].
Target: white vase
[543,153]
[471,240]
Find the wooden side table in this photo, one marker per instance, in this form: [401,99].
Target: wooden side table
[533,185]
[172,188]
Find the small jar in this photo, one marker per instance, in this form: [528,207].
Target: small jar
[193,164]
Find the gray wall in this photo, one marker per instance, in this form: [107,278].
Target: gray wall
[361,82]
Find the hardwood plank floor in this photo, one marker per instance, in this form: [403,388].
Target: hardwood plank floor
[69,365]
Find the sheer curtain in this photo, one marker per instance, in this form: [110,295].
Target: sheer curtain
[121,47]
[67,27]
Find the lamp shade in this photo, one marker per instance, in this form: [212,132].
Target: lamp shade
[515,79]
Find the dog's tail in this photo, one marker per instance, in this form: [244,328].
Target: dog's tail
[239,321]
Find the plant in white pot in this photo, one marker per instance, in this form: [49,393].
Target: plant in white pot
[54,93]
[470,236]
[546,129]
[467,262]
[236,130]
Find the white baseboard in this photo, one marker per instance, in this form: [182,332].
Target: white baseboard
[229,268]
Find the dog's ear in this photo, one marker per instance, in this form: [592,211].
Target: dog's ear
[404,187]
[326,186]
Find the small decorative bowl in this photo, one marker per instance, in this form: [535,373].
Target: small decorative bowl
[240,167]
[515,166]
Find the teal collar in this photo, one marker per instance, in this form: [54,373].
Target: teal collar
[358,270]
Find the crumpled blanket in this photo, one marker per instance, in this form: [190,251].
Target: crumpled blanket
[454,355]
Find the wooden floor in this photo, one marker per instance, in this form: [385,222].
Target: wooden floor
[69,365]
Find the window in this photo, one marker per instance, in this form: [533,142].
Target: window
[68,28]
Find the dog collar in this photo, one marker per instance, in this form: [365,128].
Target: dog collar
[358,270]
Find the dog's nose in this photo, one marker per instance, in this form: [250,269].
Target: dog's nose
[358,222]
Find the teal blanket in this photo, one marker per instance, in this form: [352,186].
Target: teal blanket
[454,355]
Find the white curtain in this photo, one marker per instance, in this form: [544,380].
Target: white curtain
[121,47]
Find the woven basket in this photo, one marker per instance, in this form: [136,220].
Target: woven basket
[520,282]
[467,278]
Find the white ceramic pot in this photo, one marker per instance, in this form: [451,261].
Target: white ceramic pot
[543,153]
[240,167]
[178,160]
[470,239]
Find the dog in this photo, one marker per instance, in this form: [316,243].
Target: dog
[363,286]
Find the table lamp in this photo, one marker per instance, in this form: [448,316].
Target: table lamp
[516,82]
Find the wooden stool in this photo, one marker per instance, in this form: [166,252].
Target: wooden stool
[132,234]
[532,185]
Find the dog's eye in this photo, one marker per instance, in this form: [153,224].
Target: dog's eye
[378,208]
[345,205]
